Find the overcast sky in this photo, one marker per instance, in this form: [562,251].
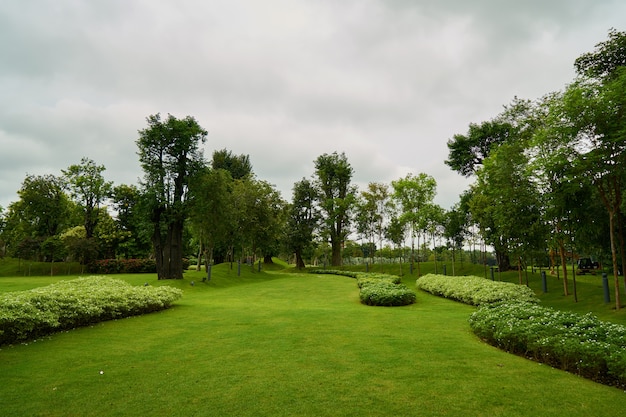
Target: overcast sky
[388,82]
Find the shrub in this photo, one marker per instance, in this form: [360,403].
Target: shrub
[377,289]
[123,266]
[474,290]
[581,344]
[385,293]
[68,304]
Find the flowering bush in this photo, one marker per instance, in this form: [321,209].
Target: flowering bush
[68,304]
[474,290]
[581,344]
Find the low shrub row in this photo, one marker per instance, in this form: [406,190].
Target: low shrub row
[580,344]
[377,289]
[126,266]
[474,290]
[73,303]
[122,266]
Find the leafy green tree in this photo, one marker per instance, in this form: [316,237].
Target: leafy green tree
[372,211]
[239,166]
[42,211]
[170,156]
[211,213]
[302,221]
[597,111]
[132,224]
[467,152]
[605,60]
[88,189]
[413,195]
[336,198]
[259,213]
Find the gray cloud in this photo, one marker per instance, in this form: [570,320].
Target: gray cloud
[386,81]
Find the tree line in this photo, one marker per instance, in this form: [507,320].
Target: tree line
[549,173]
[549,176]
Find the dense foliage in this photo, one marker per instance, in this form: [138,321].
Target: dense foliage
[68,304]
[581,344]
[474,290]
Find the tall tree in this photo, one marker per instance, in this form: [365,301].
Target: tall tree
[302,221]
[414,194]
[42,211]
[89,189]
[170,156]
[373,208]
[126,201]
[336,196]
[211,213]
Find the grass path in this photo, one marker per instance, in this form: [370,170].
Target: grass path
[293,345]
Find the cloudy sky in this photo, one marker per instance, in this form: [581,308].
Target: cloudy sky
[388,82]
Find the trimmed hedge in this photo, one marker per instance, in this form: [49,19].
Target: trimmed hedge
[377,289]
[126,266]
[580,344]
[73,303]
[474,290]
[386,293]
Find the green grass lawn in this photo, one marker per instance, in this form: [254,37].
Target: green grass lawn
[284,344]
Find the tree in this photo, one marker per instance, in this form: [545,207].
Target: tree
[259,210]
[170,156]
[336,197]
[239,166]
[467,152]
[89,189]
[302,221]
[211,211]
[42,211]
[597,111]
[372,211]
[126,201]
[608,57]
[413,194]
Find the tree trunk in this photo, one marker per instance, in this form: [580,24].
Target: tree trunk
[335,252]
[299,261]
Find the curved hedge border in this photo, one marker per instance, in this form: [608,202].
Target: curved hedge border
[474,290]
[68,304]
[580,344]
[377,289]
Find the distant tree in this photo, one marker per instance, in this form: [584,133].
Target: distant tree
[88,189]
[302,221]
[258,210]
[413,195]
[372,211]
[336,197]
[42,211]
[170,156]
[134,227]
[212,215]
[239,166]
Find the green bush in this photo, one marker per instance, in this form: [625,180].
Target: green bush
[580,344]
[67,304]
[474,290]
[385,293]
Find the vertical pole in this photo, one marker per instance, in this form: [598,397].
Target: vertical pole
[605,286]
[544,282]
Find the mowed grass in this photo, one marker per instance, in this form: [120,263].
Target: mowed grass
[285,344]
